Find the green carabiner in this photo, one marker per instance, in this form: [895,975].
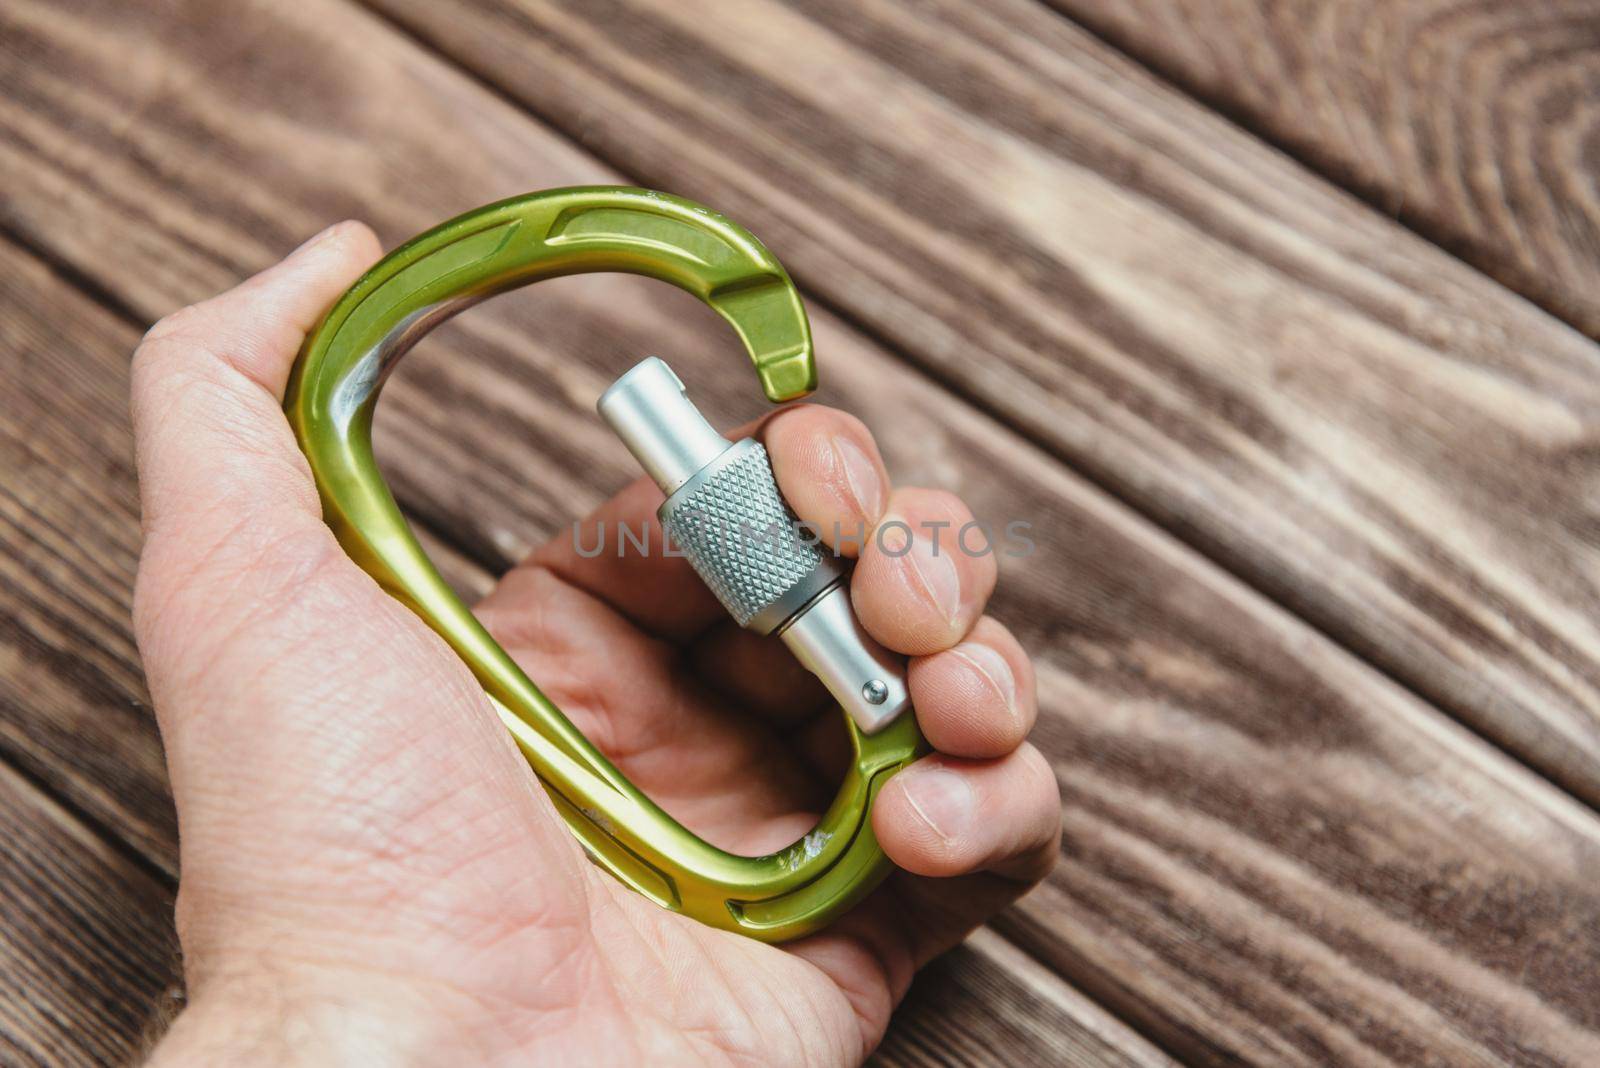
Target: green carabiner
[331,398]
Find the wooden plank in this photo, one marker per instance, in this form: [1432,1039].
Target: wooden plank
[73,707]
[87,957]
[93,741]
[1272,852]
[1349,418]
[1473,123]
[986,1003]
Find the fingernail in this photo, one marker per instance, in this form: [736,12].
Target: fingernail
[861,475]
[941,798]
[931,566]
[315,240]
[992,666]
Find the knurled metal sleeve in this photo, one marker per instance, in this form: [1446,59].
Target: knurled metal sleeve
[744,542]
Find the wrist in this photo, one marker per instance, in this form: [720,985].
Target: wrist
[288,1016]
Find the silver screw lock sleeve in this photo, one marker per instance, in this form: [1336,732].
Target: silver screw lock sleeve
[724,513]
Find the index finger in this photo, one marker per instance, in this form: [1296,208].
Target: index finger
[827,468]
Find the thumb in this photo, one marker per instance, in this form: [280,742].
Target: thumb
[208,384]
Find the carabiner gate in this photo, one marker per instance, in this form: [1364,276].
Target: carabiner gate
[332,394]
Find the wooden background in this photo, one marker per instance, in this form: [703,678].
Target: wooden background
[1276,317]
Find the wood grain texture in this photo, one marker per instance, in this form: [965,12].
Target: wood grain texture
[1477,123]
[987,1003]
[87,958]
[87,964]
[1362,427]
[75,713]
[1273,854]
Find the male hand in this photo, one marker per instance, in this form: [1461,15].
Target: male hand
[371,873]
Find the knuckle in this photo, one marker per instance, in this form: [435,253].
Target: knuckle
[1040,797]
[166,350]
[849,424]
[1037,775]
[182,323]
[945,504]
[996,635]
[791,417]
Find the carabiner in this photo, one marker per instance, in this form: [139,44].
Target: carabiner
[332,394]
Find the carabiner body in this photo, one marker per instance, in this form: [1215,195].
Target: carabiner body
[331,398]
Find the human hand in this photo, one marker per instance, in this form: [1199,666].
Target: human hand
[370,870]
